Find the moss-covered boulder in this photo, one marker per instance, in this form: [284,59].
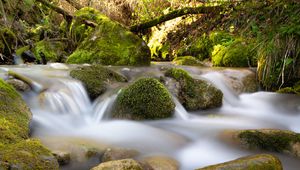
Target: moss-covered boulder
[110,44]
[195,94]
[49,51]
[255,162]
[233,54]
[146,98]
[282,141]
[14,115]
[28,154]
[187,60]
[124,164]
[96,78]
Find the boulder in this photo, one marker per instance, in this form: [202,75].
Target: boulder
[255,162]
[46,51]
[28,154]
[124,164]
[161,163]
[18,85]
[96,78]
[145,99]
[195,94]
[109,43]
[63,158]
[283,141]
[112,154]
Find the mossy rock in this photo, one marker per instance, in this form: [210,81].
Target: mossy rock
[27,155]
[221,38]
[14,115]
[110,44]
[52,50]
[195,94]
[291,90]
[96,78]
[199,47]
[282,141]
[145,99]
[8,42]
[187,60]
[255,162]
[124,164]
[236,54]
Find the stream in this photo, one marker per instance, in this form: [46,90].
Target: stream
[64,118]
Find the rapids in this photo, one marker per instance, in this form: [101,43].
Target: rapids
[64,118]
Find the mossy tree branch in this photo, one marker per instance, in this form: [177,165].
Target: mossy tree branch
[175,14]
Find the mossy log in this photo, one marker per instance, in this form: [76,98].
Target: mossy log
[35,86]
[175,14]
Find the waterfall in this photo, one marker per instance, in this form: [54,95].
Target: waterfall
[101,107]
[180,111]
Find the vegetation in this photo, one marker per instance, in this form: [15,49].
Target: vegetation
[145,99]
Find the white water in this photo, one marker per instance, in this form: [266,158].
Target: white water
[64,111]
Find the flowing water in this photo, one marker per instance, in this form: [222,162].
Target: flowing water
[65,119]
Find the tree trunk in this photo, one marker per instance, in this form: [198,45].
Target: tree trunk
[175,14]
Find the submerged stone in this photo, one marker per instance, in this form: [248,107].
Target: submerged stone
[112,154]
[124,164]
[96,78]
[146,98]
[283,141]
[160,163]
[195,94]
[255,162]
[110,44]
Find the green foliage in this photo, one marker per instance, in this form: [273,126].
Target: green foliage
[199,47]
[146,99]
[272,140]
[221,37]
[187,60]
[95,78]
[28,154]
[53,50]
[8,41]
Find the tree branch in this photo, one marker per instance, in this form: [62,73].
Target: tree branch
[175,14]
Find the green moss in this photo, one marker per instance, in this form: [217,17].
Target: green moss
[27,155]
[236,54]
[53,50]
[255,162]
[271,140]
[111,44]
[14,115]
[221,38]
[22,50]
[147,98]
[187,60]
[95,78]
[195,94]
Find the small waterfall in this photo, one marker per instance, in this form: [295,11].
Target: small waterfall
[101,107]
[218,80]
[67,97]
[180,111]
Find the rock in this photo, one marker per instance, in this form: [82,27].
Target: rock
[195,94]
[161,163]
[96,78]
[14,115]
[28,154]
[282,141]
[109,44]
[145,99]
[124,164]
[255,162]
[112,154]
[46,51]
[187,60]
[18,85]
[63,158]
